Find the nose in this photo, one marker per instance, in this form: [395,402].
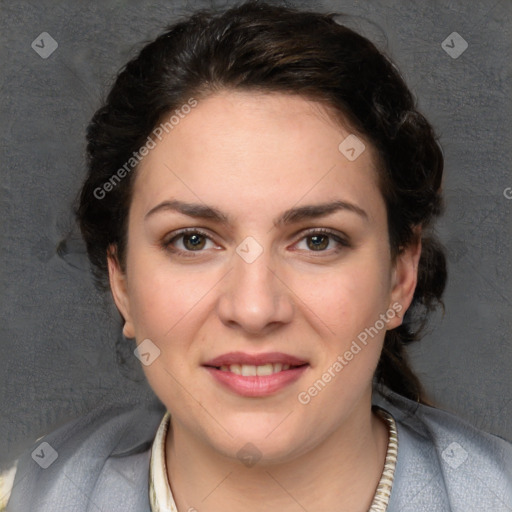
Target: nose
[255,297]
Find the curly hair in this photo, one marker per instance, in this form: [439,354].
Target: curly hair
[260,47]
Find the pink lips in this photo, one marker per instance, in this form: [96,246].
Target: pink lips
[259,385]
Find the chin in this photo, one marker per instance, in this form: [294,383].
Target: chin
[264,440]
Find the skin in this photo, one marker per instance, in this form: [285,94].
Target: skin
[254,156]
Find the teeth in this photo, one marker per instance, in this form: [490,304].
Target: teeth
[249,370]
[266,369]
[235,368]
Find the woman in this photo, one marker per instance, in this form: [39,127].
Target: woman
[260,196]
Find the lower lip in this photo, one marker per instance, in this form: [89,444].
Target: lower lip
[259,385]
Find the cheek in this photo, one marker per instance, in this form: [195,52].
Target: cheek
[166,308]
[349,298]
[162,295]
[350,303]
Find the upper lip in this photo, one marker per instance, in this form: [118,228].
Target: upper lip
[254,359]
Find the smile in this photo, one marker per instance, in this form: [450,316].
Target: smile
[255,375]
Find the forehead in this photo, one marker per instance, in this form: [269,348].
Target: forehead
[252,148]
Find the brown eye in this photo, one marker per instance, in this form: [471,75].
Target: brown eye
[187,242]
[194,241]
[318,242]
[323,241]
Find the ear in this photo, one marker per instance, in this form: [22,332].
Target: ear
[118,287]
[405,278]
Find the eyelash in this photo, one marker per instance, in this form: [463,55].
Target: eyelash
[168,244]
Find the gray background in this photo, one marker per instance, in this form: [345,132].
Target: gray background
[58,334]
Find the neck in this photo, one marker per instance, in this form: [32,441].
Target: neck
[341,472]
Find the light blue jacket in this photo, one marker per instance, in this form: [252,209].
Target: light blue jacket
[102,464]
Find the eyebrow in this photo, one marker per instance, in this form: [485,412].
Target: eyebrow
[291,216]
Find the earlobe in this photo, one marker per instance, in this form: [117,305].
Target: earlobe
[405,276]
[117,280]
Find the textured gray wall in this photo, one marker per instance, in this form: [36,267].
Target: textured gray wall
[58,334]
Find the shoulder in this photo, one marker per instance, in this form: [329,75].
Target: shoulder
[444,461]
[99,458]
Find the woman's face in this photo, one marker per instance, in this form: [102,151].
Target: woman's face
[286,262]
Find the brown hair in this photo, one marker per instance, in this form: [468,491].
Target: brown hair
[267,48]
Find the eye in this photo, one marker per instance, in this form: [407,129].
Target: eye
[191,240]
[188,241]
[318,240]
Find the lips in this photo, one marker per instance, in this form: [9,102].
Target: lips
[256,375]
